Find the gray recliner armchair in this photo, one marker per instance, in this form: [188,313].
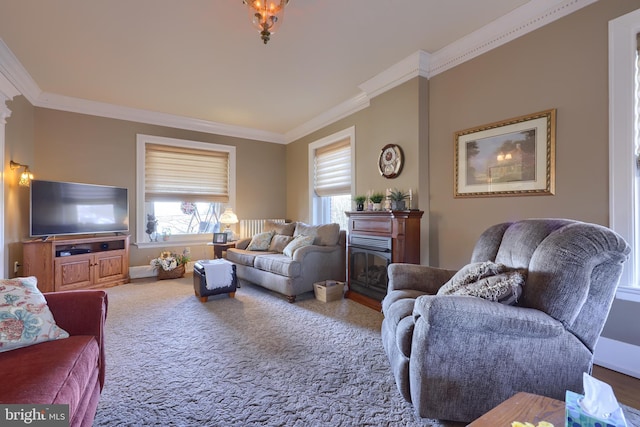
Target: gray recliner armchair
[455,357]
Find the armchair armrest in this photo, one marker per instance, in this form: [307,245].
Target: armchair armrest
[417,277]
[81,312]
[467,313]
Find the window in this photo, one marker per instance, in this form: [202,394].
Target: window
[183,187]
[623,143]
[331,183]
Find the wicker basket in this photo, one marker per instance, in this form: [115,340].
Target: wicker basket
[171,274]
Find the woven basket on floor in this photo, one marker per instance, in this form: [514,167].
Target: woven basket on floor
[171,274]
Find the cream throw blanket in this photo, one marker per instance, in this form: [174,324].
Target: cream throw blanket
[218,272]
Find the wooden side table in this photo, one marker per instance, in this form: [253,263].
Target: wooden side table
[218,248]
[524,407]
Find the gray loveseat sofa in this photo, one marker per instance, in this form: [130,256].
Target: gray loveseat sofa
[270,262]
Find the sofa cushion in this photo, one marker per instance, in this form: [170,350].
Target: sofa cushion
[493,282]
[261,241]
[25,318]
[286,229]
[325,234]
[58,372]
[278,264]
[297,243]
[243,256]
[279,242]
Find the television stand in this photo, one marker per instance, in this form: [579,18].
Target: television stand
[78,262]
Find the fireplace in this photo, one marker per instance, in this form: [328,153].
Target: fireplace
[377,239]
[368,260]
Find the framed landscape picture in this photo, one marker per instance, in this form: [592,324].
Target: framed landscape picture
[509,158]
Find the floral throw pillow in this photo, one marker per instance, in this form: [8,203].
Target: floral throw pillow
[260,242]
[25,318]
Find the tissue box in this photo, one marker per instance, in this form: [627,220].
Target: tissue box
[328,290]
[576,417]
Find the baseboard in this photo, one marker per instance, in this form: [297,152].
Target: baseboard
[618,356]
[142,271]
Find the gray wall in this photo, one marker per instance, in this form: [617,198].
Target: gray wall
[19,147]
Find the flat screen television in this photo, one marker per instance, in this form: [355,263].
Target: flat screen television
[61,208]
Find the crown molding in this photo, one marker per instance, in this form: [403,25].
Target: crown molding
[350,106]
[7,90]
[101,109]
[525,19]
[19,77]
[416,64]
[15,73]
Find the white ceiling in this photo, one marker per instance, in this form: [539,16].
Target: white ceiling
[201,62]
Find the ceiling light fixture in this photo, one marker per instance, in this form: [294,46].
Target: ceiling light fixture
[266,15]
[25,177]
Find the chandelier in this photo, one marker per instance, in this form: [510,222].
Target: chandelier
[266,15]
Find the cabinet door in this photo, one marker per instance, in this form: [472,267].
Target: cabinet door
[73,272]
[38,261]
[110,266]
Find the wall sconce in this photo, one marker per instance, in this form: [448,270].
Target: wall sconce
[25,177]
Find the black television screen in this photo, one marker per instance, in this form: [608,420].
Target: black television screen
[59,208]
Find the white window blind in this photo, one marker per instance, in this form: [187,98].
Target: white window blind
[186,174]
[332,169]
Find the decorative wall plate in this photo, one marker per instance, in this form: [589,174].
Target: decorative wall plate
[390,161]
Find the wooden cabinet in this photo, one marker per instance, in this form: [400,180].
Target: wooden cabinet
[78,263]
[377,239]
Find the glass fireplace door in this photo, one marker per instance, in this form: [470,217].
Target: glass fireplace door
[368,272]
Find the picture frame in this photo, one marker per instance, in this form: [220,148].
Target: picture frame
[513,157]
[219,237]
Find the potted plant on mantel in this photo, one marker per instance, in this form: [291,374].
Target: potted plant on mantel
[360,202]
[397,198]
[170,265]
[376,199]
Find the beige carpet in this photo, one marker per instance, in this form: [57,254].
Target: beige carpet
[254,360]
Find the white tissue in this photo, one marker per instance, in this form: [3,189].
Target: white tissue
[599,400]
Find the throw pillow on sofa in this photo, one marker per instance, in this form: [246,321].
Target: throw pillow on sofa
[261,241]
[25,318]
[325,234]
[488,280]
[285,229]
[297,243]
[279,242]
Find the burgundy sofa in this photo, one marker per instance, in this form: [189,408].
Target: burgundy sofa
[66,371]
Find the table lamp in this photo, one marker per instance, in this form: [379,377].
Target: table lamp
[227,218]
